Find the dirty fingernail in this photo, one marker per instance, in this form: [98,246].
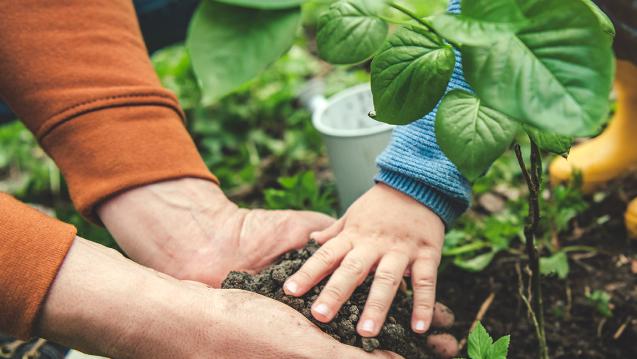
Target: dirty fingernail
[420,326]
[368,326]
[322,309]
[291,287]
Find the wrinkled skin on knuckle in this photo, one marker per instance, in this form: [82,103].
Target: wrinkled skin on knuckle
[302,276]
[376,306]
[333,293]
[423,308]
[424,284]
[353,266]
[386,279]
[325,256]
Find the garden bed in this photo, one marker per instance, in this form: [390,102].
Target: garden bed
[575,322]
[575,325]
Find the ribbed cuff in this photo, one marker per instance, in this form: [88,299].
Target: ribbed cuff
[447,208]
[32,249]
[108,151]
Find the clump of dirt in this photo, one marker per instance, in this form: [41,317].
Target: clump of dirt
[396,335]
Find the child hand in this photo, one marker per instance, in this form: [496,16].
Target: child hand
[384,229]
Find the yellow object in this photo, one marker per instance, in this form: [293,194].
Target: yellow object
[612,153]
[631,219]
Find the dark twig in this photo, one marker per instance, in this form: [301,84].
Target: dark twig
[533,179]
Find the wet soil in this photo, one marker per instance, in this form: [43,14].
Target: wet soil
[395,336]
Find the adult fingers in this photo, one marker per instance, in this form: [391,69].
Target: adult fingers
[387,278]
[351,272]
[322,263]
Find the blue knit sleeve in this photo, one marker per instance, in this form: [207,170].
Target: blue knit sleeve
[415,165]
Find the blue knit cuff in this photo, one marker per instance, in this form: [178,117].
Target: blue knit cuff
[445,207]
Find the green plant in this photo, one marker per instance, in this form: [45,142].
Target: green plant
[232,41]
[600,300]
[301,192]
[540,66]
[481,345]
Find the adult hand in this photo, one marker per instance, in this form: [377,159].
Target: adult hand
[189,229]
[384,229]
[102,303]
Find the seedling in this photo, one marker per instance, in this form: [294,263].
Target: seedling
[481,345]
[600,300]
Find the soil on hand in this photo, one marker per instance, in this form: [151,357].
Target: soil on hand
[396,335]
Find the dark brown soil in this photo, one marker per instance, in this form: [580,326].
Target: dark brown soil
[574,327]
[395,336]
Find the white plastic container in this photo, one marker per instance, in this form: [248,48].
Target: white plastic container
[353,139]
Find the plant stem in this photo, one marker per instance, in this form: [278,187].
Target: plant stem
[412,15]
[533,178]
[420,20]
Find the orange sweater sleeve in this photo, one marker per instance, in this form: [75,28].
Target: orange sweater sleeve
[77,73]
[32,247]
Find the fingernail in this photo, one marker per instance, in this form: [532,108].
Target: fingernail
[313,235]
[368,326]
[420,326]
[291,287]
[322,309]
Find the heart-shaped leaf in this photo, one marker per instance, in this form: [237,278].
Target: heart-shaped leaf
[555,73]
[229,45]
[472,135]
[550,142]
[481,22]
[264,4]
[410,75]
[351,31]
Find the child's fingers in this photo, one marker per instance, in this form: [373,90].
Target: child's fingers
[386,281]
[352,271]
[328,233]
[322,263]
[423,277]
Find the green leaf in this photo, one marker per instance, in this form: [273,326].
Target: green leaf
[479,343]
[351,31]
[475,264]
[410,75]
[500,349]
[601,301]
[551,142]
[230,45]
[556,264]
[555,73]
[604,20]
[470,134]
[264,4]
[481,22]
